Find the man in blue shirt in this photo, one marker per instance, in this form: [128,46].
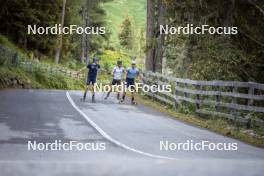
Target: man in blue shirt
[91,78]
[131,74]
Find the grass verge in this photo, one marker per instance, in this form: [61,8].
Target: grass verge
[217,125]
[39,79]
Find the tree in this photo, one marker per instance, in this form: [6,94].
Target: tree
[208,57]
[160,39]
[82,53]
[15,16]
[149,62]
[126,34]
[58,50]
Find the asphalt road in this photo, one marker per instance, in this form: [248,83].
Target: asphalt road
[131,136]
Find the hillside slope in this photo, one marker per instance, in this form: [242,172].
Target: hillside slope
[116,11]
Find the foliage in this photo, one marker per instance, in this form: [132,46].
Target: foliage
[109,58]
[237,57]
[15,16]
[126,33]
[40,79]
[115,11]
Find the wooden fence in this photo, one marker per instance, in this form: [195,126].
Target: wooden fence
[237,101]
[33,66]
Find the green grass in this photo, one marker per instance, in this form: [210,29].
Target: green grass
[116,11]
[217,125]
[40,79]
[7,43]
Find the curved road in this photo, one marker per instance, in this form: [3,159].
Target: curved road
[131,134]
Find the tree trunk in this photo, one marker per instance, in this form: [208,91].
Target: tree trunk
[160,39]
[149,63]
[228,14]
[58,50]
[82,51]
[87,40]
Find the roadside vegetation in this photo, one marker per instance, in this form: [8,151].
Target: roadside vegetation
[44,80]
[16,76]
[254,136]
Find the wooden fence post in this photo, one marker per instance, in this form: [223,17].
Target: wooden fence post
[218,99]
[250,92]
[234,99]
[185,93]
[177,102]
[31,67]
[234,90]
[198,98]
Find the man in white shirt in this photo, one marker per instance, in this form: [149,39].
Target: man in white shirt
[118,72]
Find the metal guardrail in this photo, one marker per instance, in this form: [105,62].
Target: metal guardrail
[229,99]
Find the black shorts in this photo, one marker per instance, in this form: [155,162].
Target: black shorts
[130,83]
[116,82]
[91,79]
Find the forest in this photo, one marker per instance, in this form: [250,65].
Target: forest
[208,57]
[201,57]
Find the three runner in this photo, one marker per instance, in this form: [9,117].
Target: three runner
[131,74]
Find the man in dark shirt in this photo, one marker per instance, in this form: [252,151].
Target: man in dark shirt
[91,78]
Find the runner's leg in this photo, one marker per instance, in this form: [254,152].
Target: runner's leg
[118,93]
[93,98]
[108,93]
[127,84]
[93,90]
[85,92]
[133,94]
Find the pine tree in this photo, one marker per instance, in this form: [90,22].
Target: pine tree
[126,34]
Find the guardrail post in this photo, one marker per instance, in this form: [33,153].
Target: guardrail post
[198,98]
[234,99]
[15,59]
[218,99]
[31,67]
[37,67]
[250,92]
[236,122]
[249,121]
[176,103]
[185,93]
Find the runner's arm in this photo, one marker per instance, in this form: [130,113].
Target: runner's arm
[113,72]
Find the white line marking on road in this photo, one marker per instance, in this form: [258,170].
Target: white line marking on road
[68,115]
[108,137]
